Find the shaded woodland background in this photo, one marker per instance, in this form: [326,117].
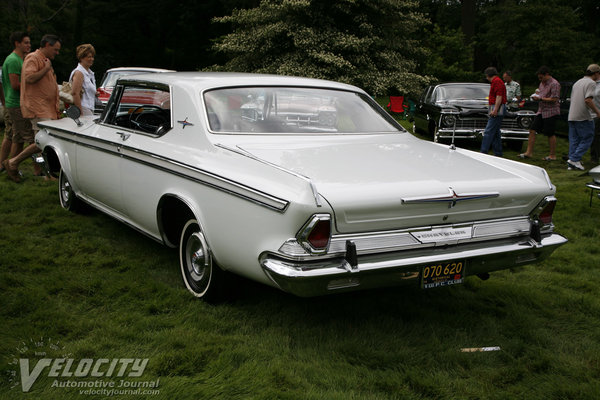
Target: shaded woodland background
[384,46]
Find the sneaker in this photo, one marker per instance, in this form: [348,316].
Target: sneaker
[571,165]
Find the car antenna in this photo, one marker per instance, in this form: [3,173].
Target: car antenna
[452,145]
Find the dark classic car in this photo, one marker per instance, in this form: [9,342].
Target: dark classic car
[595,184]
[459,110]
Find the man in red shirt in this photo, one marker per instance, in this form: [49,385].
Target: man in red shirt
[497,108]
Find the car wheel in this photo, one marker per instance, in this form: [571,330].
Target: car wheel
[202,277]
[433,131]
[68,198]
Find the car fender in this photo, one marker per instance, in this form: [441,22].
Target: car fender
[49,145]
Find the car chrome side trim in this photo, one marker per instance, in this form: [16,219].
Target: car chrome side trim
[177,168]
[117,216]
[451,198]
[244,153]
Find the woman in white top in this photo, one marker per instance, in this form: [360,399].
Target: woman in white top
[83,80]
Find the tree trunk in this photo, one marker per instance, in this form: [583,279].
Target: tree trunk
[467,19]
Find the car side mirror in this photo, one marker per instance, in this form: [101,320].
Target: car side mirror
[74,113]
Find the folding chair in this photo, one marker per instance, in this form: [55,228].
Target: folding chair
[396,105]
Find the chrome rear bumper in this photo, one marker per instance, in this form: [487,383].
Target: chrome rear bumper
[325,276]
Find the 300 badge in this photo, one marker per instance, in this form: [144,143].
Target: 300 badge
[442,274]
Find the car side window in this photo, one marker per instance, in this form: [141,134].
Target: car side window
[141,109]
[428,96]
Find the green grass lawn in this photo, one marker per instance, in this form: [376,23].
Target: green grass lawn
[83,286]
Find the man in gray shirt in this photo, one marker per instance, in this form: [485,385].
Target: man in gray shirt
[595,149]
[581,121]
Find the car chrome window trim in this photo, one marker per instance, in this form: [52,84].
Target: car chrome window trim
[178,168]
[117,94]
[376,107]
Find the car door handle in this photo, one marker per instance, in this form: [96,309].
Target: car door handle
[124,136]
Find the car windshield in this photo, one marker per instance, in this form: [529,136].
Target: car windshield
[470,92]
[293,110]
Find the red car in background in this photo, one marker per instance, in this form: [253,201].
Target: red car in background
[112,75]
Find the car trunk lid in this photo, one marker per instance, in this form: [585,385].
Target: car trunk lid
[389,184]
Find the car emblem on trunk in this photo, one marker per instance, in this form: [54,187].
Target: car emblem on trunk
[452,198]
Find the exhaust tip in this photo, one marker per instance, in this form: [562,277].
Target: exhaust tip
[484,276]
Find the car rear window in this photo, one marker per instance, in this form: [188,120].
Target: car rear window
[292,110]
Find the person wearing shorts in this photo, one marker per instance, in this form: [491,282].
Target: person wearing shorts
[7,139]
[16,127]
[547,114]
[39,95]
[545,126]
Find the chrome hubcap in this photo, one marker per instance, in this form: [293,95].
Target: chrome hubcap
[197,262]
[65,189]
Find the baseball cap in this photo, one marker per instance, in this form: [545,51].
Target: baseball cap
[593,68]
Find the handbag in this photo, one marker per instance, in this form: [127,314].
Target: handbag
[65,92]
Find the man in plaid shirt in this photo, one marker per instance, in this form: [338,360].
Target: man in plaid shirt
[547,114]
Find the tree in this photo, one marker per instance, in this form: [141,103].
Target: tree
[529,34]
[369,44]
[146,33]
[450,58]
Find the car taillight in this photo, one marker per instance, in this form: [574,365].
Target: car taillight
[319,235]
[547,211]
[543,212]
[316,233]
[103,95]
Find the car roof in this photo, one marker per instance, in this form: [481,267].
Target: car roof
[140,69]
[463,84]
[212,80]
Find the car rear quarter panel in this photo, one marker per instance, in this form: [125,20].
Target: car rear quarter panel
[214,182]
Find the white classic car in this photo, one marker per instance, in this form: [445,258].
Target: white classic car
[595,184]
[302,184]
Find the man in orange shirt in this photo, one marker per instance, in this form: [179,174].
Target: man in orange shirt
[39,95]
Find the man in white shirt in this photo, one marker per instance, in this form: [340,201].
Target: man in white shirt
[595,148]
[581,119]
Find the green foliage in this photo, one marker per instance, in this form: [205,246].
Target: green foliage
[387,46]
[450,58]
[145,33]
[369,44]
[523,37]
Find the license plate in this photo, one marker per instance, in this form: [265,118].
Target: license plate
[442,274]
